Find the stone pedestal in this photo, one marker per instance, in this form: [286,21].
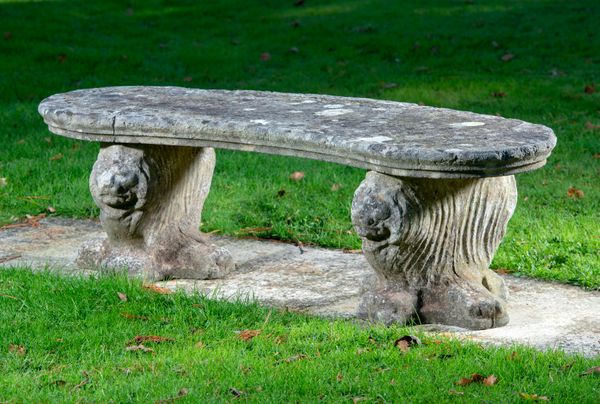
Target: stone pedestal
[430,242]
[150,200]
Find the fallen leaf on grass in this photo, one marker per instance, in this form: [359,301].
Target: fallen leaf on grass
[265,56]
[533,397]
[122,296]
[336,187]
[133,316]
[499,94]
[247,335]
[589,89]
[51,209]
[404,343]
[591,371]
[3,182]
[596,156]
[152,338]
[507,57]
[573,192]
[56,157]
[477,378]
[17,349]
[490,380]
[158,289]
[199,345]
[296,176]
[134,348]
[591,126]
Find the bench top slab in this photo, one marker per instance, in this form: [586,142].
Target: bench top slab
[390,137]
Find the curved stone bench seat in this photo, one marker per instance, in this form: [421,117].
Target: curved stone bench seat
[431,211]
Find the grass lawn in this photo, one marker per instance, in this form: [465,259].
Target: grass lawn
[533,60]
[89,340]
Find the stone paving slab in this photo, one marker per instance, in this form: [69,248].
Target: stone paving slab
[327,282]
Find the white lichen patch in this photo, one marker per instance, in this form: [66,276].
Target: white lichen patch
[333,112]
[378,109]
[249,109]
[373,139]
[333,106]
[260,121]
[466,124]
[295,111]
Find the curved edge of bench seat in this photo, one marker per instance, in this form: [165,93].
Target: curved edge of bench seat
[420,169]
[395,138]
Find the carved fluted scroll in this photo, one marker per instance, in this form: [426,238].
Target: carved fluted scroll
[150,200]
[430,242]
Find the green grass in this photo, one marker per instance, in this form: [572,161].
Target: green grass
[439,53]
[65,340]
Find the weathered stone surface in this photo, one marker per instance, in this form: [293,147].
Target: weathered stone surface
[150,201]
[544,315]
[431,242]
[390,137]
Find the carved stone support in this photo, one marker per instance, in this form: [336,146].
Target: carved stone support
[150,200]
[430,242]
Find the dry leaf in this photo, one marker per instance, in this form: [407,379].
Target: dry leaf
[152,338]
[402,345]
[133,316]
[336,187]
[573,192]
[247,335]
[158,289]
[499,94]
[490,380]
[475,378]
[296,176]
[3,182]
[591,126]
[122,296]
[199,345]
[140,347]
[17,349]
[596,156]
[589,89]
[62,58]
[339,377]
[56,157]
[507,57]
[51,209]
[533,397]
[591,371]
[265,56]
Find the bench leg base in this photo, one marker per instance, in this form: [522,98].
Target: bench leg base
[150,200]
[430,242]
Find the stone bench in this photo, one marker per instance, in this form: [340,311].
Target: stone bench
[431,212]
